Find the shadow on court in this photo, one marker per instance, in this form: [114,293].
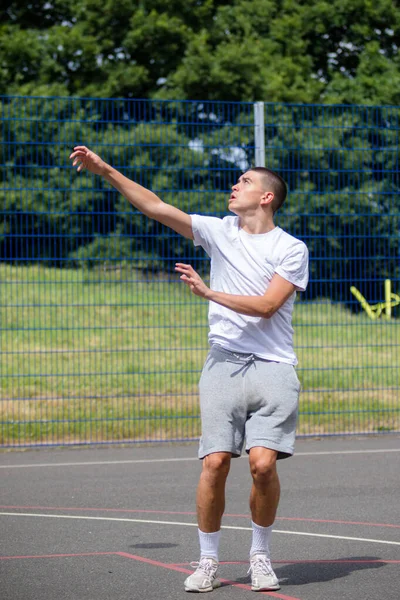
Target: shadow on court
[306,573]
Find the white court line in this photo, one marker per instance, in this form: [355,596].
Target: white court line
[180,523]
[101,462]
[189,458]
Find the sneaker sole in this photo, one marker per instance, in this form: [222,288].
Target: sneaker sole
[271,588]
[215,585]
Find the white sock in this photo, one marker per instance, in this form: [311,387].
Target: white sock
[260,539]
[209,543]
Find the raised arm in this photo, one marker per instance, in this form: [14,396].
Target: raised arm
[140,197]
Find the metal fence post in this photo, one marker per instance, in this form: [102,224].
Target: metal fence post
[259,135]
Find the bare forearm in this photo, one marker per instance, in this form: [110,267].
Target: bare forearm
[140,197]
[252,306]
[278,292]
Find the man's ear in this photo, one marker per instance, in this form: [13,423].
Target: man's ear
[267,198]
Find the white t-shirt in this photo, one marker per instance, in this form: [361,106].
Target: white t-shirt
[244,264]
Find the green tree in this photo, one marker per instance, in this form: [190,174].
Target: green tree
[341,162]
[272,50]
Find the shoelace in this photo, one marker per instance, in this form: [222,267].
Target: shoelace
[206,565]
[261,565]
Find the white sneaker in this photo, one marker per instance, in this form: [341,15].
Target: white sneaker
[204,579]
[262,574]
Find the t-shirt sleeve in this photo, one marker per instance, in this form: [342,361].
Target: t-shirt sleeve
[294,267]
[206,231]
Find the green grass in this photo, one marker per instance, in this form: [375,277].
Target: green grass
[99,356]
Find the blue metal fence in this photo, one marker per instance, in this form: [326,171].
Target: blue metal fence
[101,343]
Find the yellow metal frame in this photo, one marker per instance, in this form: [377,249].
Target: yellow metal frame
[374,311]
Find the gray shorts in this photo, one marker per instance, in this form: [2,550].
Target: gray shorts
[245,397]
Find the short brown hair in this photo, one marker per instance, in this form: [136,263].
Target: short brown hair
[273,183]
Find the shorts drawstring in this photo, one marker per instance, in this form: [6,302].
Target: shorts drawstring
[244,361]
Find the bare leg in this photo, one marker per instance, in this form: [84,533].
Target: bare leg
[211,491]
[210,508]
[265,491]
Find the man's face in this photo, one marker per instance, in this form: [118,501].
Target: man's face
[247,193]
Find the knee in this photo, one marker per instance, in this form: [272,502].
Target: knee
[263,469]
[217,465]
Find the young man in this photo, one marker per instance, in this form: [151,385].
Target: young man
[249,389]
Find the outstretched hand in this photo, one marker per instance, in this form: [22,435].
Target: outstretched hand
[192,280]
[86,159]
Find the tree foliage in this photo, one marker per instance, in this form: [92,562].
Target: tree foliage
[341,162]
[271,50]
